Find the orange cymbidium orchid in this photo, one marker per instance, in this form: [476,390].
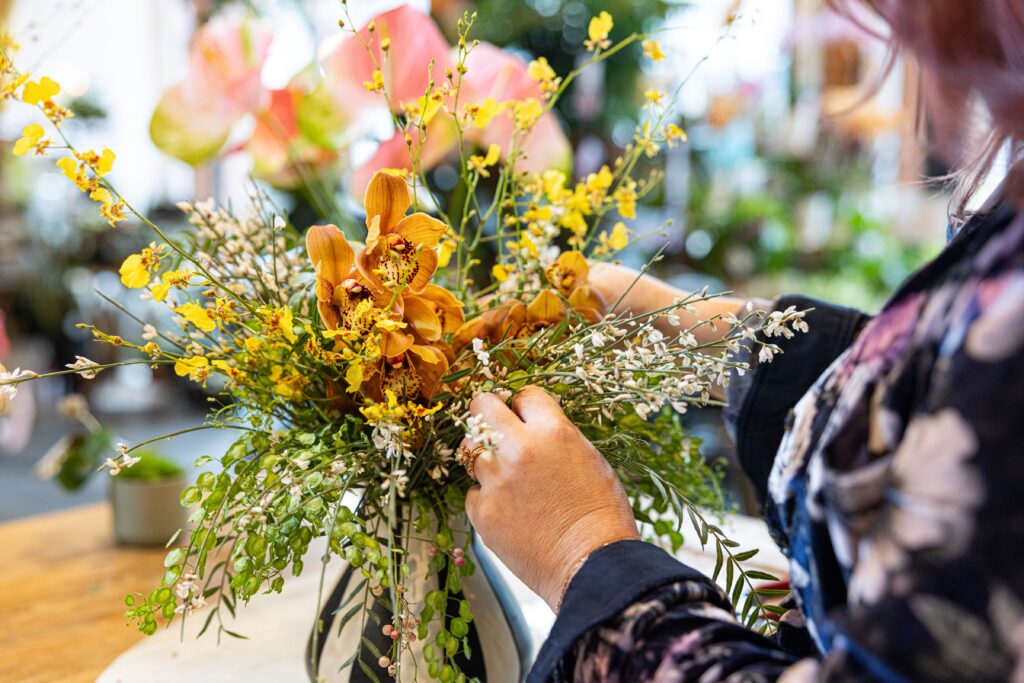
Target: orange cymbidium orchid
[568,277]
[433,313]
[399,249]
[345,299]
[408,368]
[413,363]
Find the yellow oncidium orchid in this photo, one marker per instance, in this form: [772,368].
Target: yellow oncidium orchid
[202,318]
[597,32]
[38,92]
[616,240]
[196,368]
[31,138]
[652,50]
[137,269]
[172,278]
[278,322]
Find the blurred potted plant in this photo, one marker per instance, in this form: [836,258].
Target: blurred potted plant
[145,488]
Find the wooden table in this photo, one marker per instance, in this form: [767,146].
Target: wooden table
[62,585]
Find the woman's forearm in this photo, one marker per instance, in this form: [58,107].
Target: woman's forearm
[644,293]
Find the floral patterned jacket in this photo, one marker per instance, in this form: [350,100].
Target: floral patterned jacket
[890,453]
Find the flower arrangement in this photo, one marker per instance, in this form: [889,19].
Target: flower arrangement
[348,361]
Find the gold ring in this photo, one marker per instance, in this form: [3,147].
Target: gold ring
[467,458]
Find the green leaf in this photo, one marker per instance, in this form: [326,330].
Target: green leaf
[172,539]
[459,628]
[454,583]
[369,645]
[174,557]
[745,555]
[190,496]
[451,377]
[206,624]
[370,673]
[719,557]
[760,575]
[737,593]
[347,616]
[465,612]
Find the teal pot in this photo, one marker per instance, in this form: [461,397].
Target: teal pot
[499,638]
[147,512]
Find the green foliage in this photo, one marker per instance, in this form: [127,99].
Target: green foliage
[82,457]
[151,467]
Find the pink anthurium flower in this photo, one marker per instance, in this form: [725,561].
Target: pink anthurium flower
[278,146]
[413,39]
[493,74]
[393,153]
[194,118]
[502,76]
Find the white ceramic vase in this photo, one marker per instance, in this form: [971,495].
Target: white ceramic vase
[499,639]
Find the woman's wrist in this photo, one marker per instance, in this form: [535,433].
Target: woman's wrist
[573,571]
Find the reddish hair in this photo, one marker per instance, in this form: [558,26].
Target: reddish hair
[970,51]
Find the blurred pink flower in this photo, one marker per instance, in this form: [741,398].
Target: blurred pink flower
[415,41]
[492,73]
[280,148]
[5,344]
[194,118]
[496,73]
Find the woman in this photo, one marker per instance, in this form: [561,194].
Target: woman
[889,453]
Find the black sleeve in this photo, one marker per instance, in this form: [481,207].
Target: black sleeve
[760,410]
[630,605]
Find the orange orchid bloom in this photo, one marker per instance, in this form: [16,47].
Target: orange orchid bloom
[408,369]
[413,362]
[433,313]
[569,275]
[399,249]
[570,289]
[344,298]
[513,320]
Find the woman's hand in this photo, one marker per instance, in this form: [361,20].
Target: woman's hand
[548,498]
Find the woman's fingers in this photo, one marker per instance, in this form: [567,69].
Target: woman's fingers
[473,504]
[531,405]
[534,404]
[494,412]
[485,464]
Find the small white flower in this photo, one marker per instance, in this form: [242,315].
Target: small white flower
[9,386]
[279,223]
[579,349]
[481,354]
[86,368]
[766,353]
[149,332]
